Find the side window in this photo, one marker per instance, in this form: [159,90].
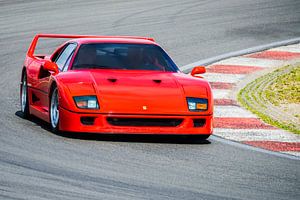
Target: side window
[68,62]
[65,55]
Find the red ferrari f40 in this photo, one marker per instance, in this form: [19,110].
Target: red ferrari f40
[115,85]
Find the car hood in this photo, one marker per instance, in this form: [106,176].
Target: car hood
[138,92]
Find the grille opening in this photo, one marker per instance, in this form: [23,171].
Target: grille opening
[199,122]
[164,122]
[87,120]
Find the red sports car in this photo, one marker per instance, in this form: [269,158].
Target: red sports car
[114,84]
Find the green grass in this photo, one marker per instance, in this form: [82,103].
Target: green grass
[266,118]
[284,90]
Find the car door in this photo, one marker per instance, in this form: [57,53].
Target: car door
[44,81]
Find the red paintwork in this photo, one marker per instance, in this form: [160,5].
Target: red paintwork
[125,97]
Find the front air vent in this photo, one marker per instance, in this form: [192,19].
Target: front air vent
[87,120]
[154,122]
[199,122]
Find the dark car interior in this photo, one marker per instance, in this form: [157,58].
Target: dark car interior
[123,56]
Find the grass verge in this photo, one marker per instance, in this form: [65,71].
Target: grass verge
[264,96]
[285,89]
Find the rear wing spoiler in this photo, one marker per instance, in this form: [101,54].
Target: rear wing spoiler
[33,44]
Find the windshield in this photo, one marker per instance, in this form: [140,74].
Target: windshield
[123,56]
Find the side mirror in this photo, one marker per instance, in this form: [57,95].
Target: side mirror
[51,67]
[198,70]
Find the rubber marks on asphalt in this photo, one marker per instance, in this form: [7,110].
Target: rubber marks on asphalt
[236,123]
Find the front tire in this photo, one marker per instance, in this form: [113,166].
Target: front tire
[200,137]
[24,97]
[54,110]
[203,137]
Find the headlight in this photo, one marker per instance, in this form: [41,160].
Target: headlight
[86,102]
[197,104]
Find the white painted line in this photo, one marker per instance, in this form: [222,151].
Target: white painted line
[291,48]
[257,135]
[221,94]
[232,111]
[256,62]
[225,78]
[295,153]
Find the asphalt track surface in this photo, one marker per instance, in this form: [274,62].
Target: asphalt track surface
[36,164]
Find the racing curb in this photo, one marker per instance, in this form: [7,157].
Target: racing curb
[230,72]
[188,68]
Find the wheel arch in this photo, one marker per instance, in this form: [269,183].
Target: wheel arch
[26,110]
[63,92]
[24,70]
[52,86]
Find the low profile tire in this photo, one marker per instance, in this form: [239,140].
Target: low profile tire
[200,137]
[203,137]
[54,110]
[24,97]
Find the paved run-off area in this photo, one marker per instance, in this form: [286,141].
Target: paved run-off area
[236,123]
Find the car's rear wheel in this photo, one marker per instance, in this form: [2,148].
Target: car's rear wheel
[24,97]
[54,110]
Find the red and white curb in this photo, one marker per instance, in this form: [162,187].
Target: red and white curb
[238,124]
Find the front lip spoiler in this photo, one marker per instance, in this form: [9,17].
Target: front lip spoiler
[136,114]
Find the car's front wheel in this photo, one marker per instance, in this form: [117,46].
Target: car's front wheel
[54,110]
[203,137]
[199,137]
[24,97]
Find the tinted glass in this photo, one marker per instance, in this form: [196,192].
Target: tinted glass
[68,62]
[123,56]
[65,54]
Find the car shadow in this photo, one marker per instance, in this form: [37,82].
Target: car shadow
[134,138]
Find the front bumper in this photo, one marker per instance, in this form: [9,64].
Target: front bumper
[72,122]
